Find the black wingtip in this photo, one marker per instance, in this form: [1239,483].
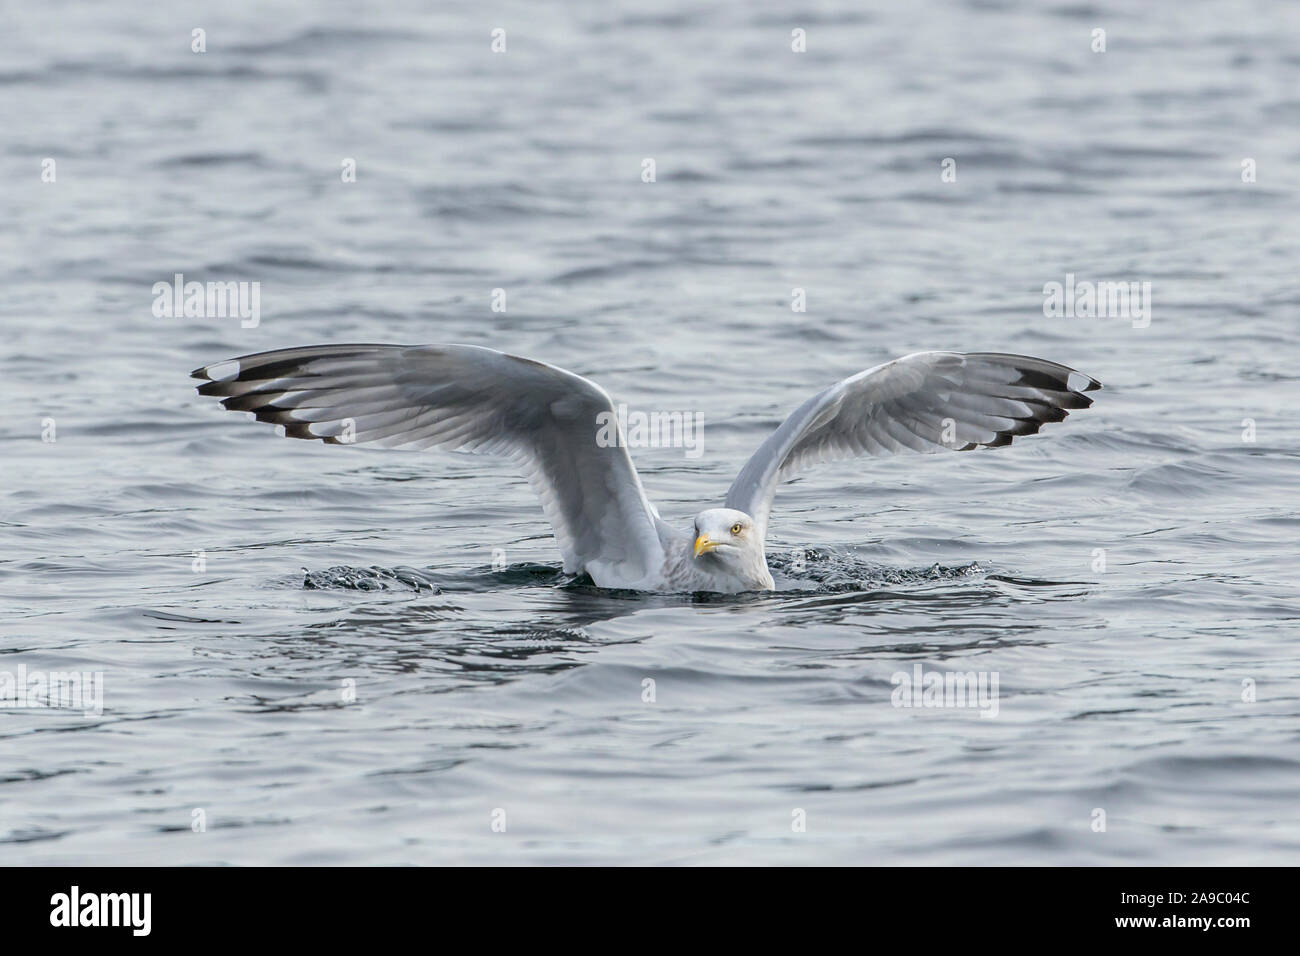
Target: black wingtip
[1092,383]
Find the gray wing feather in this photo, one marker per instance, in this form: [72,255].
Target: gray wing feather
[925,402]
[472,399]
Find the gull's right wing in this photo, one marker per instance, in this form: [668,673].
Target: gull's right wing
[474,399]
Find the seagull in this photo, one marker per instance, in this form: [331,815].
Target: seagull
[544,419]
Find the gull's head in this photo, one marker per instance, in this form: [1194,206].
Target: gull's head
[726,535]
[728,549]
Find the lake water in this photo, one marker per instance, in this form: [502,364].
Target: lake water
[1128,576]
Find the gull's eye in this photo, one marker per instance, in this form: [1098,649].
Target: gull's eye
[736,528]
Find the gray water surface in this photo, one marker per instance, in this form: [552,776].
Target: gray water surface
[327,572]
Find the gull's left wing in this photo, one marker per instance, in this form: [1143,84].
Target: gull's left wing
[925,402]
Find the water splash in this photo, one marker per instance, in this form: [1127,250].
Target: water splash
[816,570]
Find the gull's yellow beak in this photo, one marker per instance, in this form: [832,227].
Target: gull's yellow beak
[703,544]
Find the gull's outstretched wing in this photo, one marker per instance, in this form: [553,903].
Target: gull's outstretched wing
[926,402]
[473,399]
